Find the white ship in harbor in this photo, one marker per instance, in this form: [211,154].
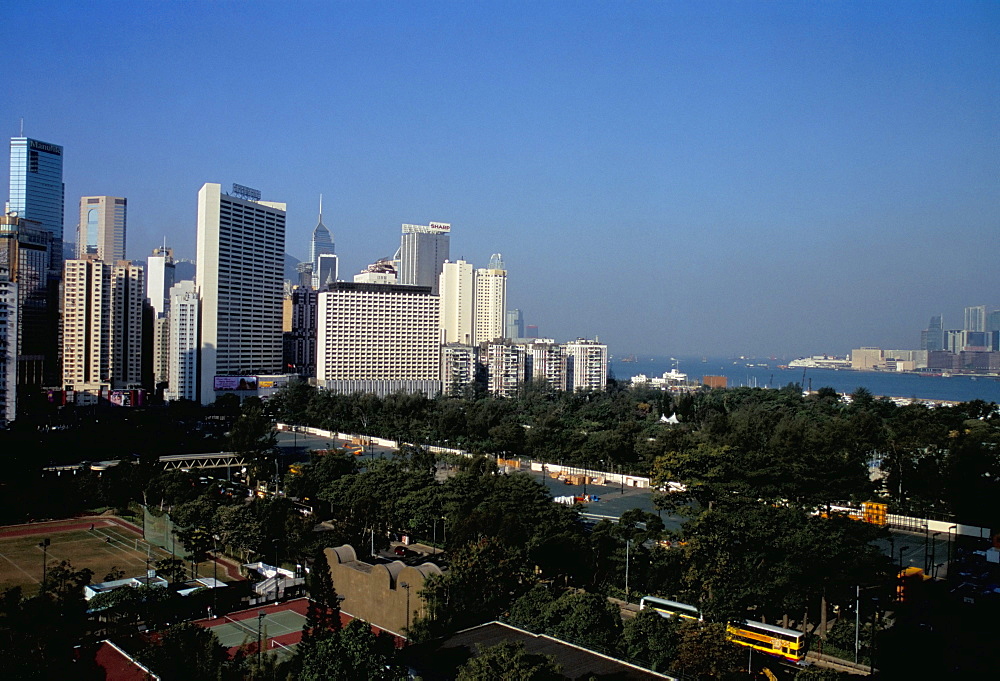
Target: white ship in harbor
[820,362]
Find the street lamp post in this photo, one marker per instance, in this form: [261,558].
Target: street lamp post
[902,550]
[933,553]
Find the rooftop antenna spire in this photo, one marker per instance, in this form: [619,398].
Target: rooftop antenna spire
[22,127]
[321,208]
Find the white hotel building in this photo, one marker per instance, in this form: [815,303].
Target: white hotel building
[240,278]
[378,338]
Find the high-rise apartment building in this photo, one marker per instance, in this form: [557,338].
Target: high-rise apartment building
[128,297]
[491,301]
[86,327]
[456,291]
[587,365]
[506,367]
[25,253]
[101,230]
[458,368]
[378,338]
[182,373]
[547,361]
[37,191]
[422,252]
[8,347]
[975,318]
[240,275]
[102,324]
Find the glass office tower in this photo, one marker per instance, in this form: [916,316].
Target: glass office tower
[37,191]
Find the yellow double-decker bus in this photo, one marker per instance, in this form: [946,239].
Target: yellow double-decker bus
[767,638]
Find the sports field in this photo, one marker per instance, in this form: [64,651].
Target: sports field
[111,544]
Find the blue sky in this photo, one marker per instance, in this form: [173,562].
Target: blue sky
[699,178]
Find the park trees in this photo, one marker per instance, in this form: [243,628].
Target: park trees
[353,652]
[188,652]
[509,662]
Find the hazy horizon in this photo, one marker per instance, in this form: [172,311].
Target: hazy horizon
[713,179]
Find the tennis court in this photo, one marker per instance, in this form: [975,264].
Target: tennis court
[281,627]
[101,544]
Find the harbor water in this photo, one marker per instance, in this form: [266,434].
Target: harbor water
[764,373]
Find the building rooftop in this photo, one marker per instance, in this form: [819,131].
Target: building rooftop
[441,659]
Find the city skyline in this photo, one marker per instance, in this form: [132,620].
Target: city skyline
[755,178]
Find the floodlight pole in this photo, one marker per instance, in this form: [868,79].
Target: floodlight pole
[215,573]
[260,619]
[44,546]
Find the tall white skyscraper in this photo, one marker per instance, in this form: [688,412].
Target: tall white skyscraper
[422,252]
[491,301]
[37,191]
[240,275]
[160,270]
[455,289]
[183,320]
[102,226]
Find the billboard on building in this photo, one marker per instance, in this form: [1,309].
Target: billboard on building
[235,383]
[125,398]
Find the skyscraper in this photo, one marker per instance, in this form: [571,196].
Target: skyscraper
[515,325]
[240,274]
[457,299]
[37,191]
[422,252]
[24,251]
[491,301]
[326,270]
[975,318]
[932,338]
[101,230]
[160,275]
[321,244]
